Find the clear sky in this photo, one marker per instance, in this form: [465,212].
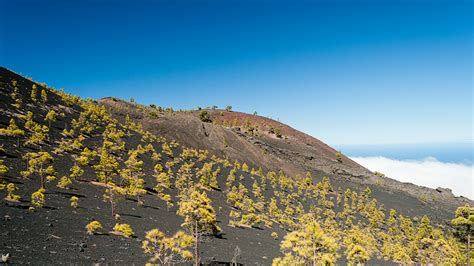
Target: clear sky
[347,72]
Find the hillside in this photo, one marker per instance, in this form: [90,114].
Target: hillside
[124,163]
[251,139]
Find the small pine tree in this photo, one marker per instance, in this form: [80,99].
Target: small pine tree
[34,93]
[74,202]
[167,149]
[339,156]
[3,169]
[124,229]
[309,245]
[245,167]
[133,176]
[464,223]
[64,182]
[112,195]
[40,163]
[167,250]
[50,117]
[44,95]
[107,167]
[11,196]
[93,227]
[37,198]
[199,218]
[274,235]
[357,255]
[360,245]
[13,131]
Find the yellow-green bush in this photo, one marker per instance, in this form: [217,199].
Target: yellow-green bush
[93,227]
[124,229]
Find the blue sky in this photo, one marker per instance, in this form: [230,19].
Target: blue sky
[347,72]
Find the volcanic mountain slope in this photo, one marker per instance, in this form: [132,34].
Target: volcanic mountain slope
[266,143]
[124,163]
[249,138]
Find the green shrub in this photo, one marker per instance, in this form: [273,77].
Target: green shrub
[339,156]
[11,188]
[37,198]
[205,116]
[274,235]
[93,227]
[124,229]
[74,201]
[379,174]
[64,182]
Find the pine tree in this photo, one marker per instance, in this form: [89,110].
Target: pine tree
[107,167]
[199,218]
[250,219]
[113,141]
[39,135]
[11,196]
[44,96]
[86,157]
[360,245]
[133,176]
[40,163]
[93,227]
[308,245]
[464,223]
[76,171]
[34,93]
[124,230]
[74,201]
[37,198]
[357,255]
[39,132]
[13,131]
[29,122]
[112,195]
[50,117]
[3,169]
[163,181]
[245,167]
[64,182]
[167,149]
[234,218]
[308,180]
[209,177]
[257,190]
[339,156]
[167,250]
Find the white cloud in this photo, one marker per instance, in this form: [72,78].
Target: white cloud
[428,172]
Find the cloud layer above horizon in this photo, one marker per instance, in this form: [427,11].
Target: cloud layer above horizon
[428,172]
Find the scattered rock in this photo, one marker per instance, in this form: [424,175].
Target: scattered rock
[82,246]
[5,258]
